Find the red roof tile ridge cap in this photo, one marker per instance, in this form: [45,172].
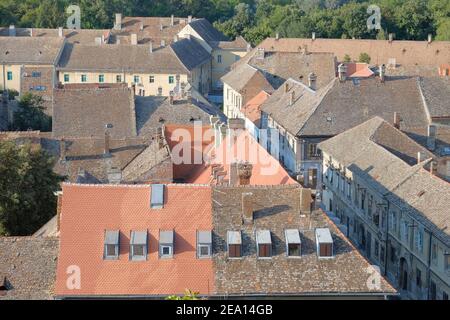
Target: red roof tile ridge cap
[107,185]
[263,186]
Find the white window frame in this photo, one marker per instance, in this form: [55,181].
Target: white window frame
[161,251]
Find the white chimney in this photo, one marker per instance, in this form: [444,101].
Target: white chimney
[391,37]
[189,19]
[163,43]
[98,41]
[151,47]
[60,32]
[118,24]
[175,38]
[249,47]
[430,38]
[420,157]
[12,30]
[312,81]
[161,27]
[31,32]
[382,69]
[134,40]
[172,20]
[342,72]
[141,25]
[277,36]
[396,120]
[313,37]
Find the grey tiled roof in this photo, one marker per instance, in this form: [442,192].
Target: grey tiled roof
[29,265]
[436,92]
[237,44]
[276,209]
[83,36]
[206,31]
[241,77]
[85,112]
[190,52]
[30,50]
[153,112]
[120,58]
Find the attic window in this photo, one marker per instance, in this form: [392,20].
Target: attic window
[204,244]
[111,247]
[157,196]
[324,243]
[166,244]
[138,246]
[263,243]
[293,243]
[234,243]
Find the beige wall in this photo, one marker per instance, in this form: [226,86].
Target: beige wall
[232,102]
[219,69]
[15,82]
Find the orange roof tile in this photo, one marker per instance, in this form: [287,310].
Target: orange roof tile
[84,220]
[358,70]
[252,109]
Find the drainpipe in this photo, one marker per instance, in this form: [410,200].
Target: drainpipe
[429,267]
[386,240]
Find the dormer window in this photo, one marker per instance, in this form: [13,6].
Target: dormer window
[111,246]
[138,245]
[204,244]
[264,243]
[234,244]
[324,243]
[157,196]
[166,244]
[293,243]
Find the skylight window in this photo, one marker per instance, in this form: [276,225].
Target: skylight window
[157,196]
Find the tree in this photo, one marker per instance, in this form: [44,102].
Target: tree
[188,295]
[31,115]
[27,187]
[364,57]
[347,58]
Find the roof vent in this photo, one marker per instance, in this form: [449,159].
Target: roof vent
[157,196]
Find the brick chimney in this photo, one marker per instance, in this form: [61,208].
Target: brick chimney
[244,171]
[107,149]
[247,207]
[431,137]
[118,24]
[134,40]
[342,72]
[396,120]
[312,81]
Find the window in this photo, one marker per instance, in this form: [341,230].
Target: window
[393,255]
[101,78]
[157,196]
[404,231]
[204,244]
[83,78]
[433,290]
[419,240]
[324,243]
[363,200]
[171,79]
[36,74]
[118,78]
[293,242]
[111,247]
[136,79]
[393,221]
[219,58]
[434,250]
[66,78]
[382,254]
[138,246]
[418,278]
[9,75]
[166,244]
[264,243]
[234,243]
[234,251]
[370,205]
[151,79]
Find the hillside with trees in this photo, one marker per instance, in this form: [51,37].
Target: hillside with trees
[253,19]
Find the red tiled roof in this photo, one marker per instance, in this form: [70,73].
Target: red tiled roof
[84,220]
[358,70]
[252,109]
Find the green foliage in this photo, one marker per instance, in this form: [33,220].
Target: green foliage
[347,58]
[12,94]
[188,295]
[31,115]
[364,57]
[27,186]
[253,19]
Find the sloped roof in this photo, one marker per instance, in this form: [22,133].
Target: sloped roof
[206,31]
[358,70]
[190,52]
[85,112]
[126,208]
[252,109]
[120,58]
[237,44]
[436,92]
[29,265]
[30,50]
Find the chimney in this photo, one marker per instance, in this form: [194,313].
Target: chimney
[150,45]
[236,124]
[141,25]
[189,19]
[163,43]
[62,149]
[98,41]
[107,149]
[189,96]
[12,30]
[175,38]
[277,36]
[391,37]
[172,20]
[60,32]
[31,32]
[171,97]
[134,40]
[342,72]
[234,178]
[247,207]
[59,200]
[161,27]
[312,81]
[118,24]
[286,87]
[305,200]
[382,70]
[292,98]
[396,120]
[430,38]
[249,47]
[313,37]
[244,173]
[261,53]
[431,137]
[420,157]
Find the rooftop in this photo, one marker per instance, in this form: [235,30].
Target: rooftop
[436,92]
[252,109]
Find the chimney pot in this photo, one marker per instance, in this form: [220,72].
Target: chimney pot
[391,37]
[118,24]
[60,32]
[396,120]
[277,36]
[312,81]
[313,36]
[247,207]
[382,70]
[189,19]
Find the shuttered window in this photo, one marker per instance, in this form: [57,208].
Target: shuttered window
[234,251]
